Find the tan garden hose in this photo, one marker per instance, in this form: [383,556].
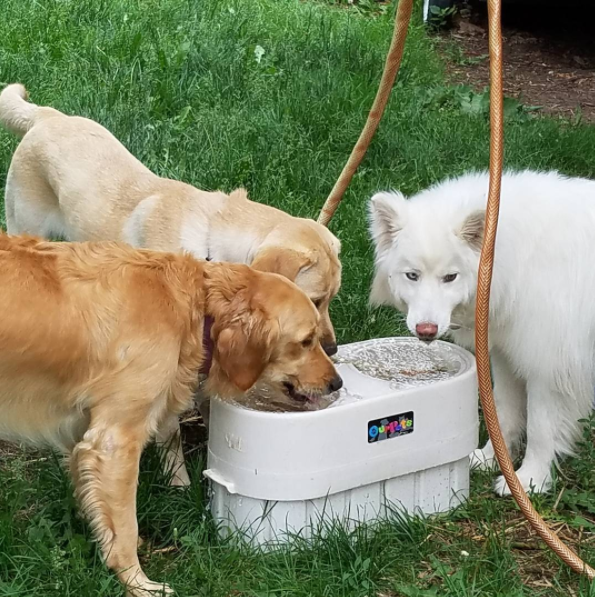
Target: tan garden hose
[391,68]
[486,262]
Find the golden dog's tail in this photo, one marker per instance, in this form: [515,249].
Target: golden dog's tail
[16,113]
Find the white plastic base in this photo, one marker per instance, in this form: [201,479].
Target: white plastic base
[430,491]
[275,475]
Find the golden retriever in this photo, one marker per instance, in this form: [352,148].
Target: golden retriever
[104,343]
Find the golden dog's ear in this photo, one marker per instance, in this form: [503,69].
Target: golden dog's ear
[239,358]
[286,262]
[243,341]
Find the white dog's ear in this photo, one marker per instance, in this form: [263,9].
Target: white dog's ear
[472,229]
[387,211]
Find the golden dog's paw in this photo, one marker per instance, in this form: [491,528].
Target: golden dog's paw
[150,589]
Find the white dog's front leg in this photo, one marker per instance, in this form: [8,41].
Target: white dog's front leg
[543,407]
[511,404]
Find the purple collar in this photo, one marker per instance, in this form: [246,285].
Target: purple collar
[207,345]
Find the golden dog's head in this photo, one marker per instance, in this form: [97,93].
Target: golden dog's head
[265,329]
[307,253]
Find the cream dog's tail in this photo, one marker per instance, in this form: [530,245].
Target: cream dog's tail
[16,113]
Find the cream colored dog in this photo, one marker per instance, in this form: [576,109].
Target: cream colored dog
[72,178]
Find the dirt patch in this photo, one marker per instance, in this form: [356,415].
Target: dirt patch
[532,556]
[194,432]
[7,450]
[549,55]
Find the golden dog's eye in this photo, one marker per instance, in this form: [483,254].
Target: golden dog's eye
[308,342]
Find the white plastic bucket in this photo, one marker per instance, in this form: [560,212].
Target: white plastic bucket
[383,445]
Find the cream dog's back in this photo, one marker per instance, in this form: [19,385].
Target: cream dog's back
[85,184]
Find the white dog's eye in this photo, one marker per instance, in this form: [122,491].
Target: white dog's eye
[413,276]
[450,278]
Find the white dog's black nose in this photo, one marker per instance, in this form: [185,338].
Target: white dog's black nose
[426,331]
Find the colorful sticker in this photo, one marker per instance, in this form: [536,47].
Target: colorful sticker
[389,427]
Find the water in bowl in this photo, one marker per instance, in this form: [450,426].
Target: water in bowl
[403,363]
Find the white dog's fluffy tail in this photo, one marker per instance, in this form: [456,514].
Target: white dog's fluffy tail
[16,113]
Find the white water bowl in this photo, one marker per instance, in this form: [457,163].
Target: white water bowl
[398,437]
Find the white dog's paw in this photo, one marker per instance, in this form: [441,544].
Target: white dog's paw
[483,459]
[531,480]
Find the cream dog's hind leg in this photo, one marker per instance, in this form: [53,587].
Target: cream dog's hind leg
[169,441]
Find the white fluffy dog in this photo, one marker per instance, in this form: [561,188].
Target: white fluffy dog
[542,307]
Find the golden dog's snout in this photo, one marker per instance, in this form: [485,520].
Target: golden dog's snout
[335,384]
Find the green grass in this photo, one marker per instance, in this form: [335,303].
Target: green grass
[178,81]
